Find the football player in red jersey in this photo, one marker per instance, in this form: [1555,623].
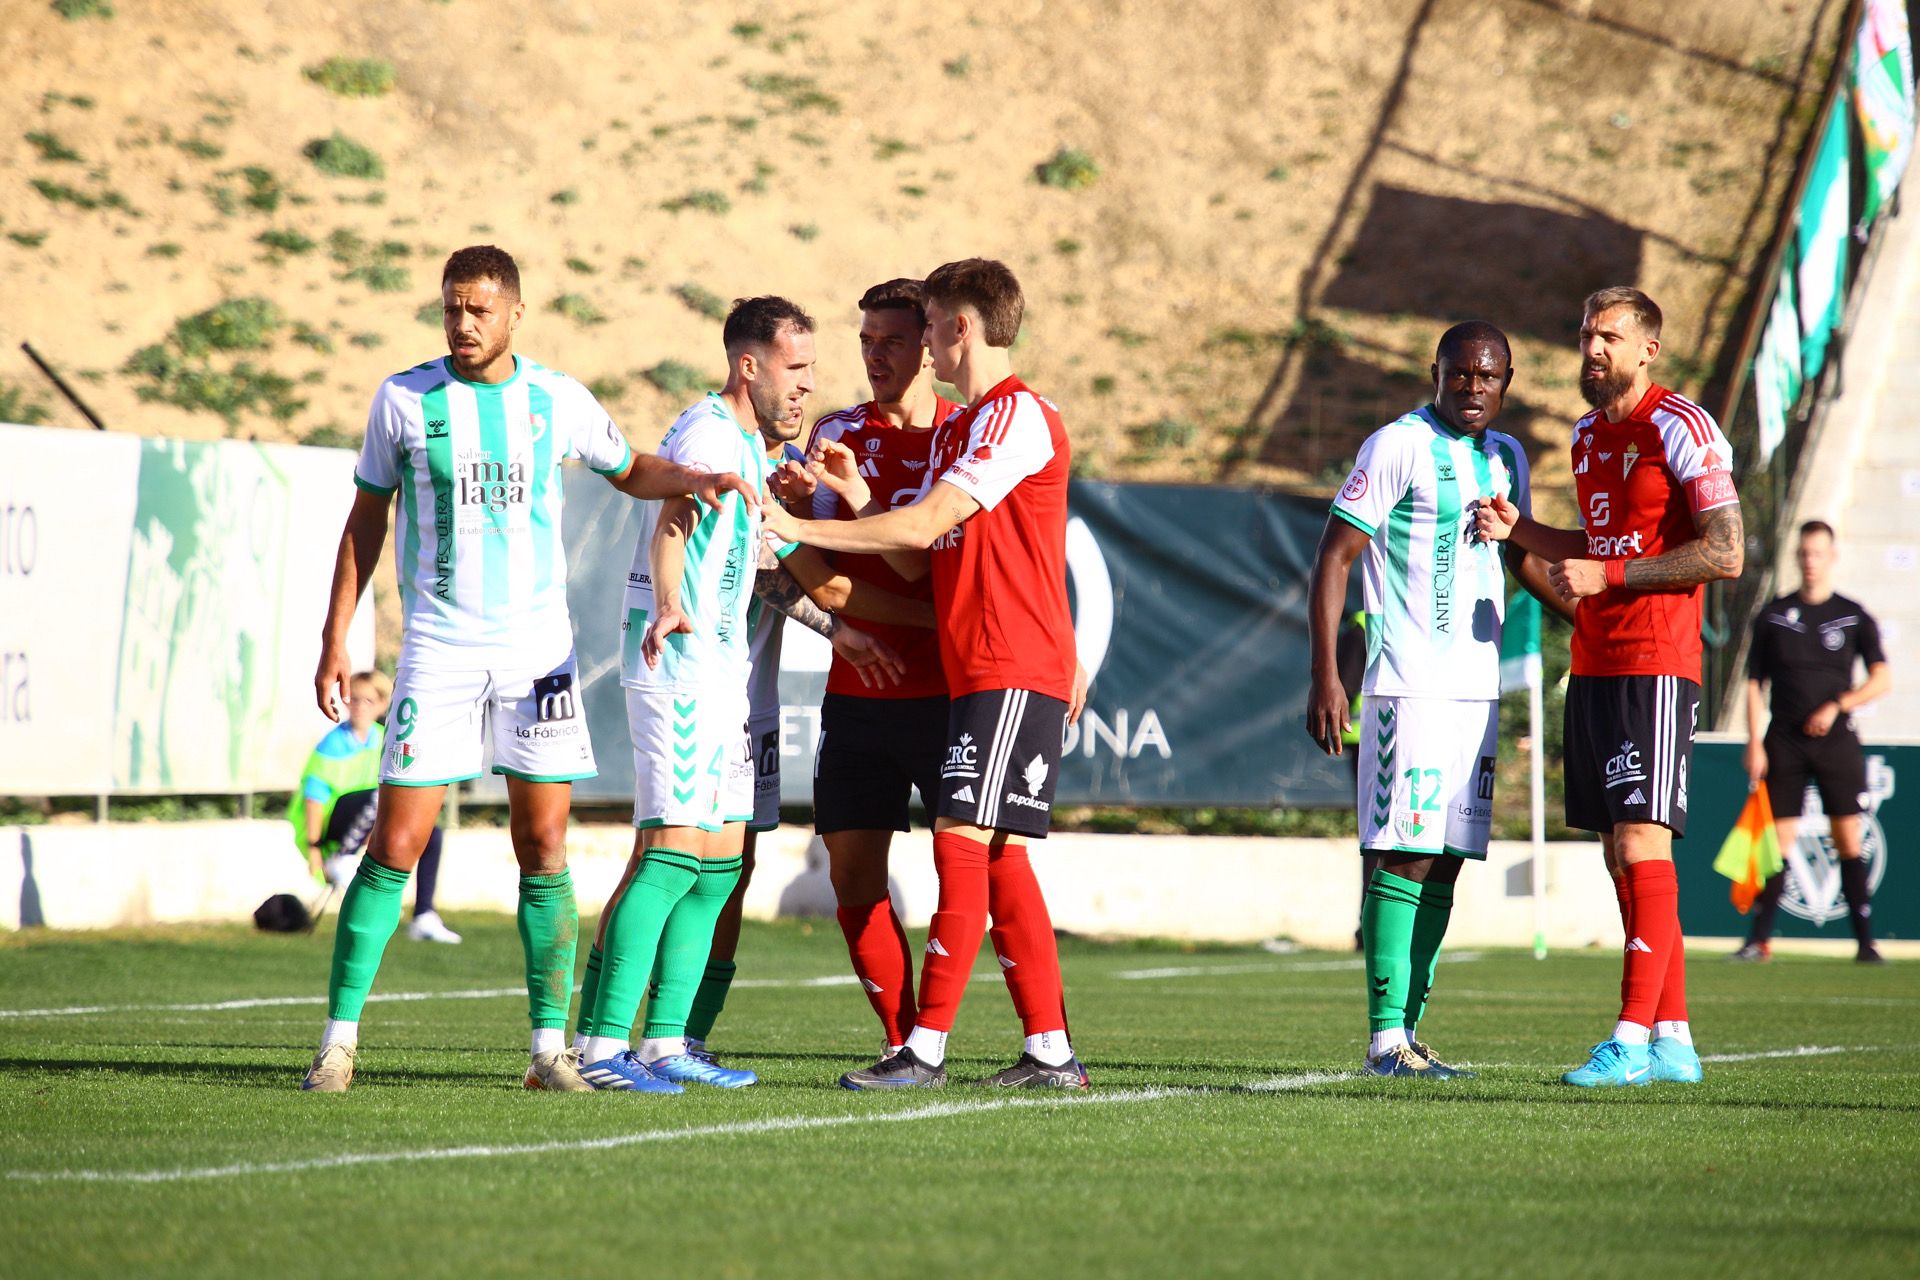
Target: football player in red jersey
[1652,475]
[990,525]
[878,744]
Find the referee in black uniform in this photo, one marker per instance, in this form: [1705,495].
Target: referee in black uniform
[1805,645]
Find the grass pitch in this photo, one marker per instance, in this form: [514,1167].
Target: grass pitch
[150,1124]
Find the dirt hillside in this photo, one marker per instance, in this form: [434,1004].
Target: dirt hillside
[1281,204]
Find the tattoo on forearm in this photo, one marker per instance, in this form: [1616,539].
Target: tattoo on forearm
[1719,552]
[777,587]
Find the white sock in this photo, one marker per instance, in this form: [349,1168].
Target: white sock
[894,1048]
[1631,1033]
[1386,1041]
[666,1047]
[580,1043]
[1051,1048]
[339,1032]
[600,1048]
[548,1040]
[1673,1031]
[927,1045]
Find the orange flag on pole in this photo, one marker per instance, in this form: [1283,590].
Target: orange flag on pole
[1750,855]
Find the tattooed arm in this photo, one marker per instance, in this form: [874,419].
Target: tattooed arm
[874,661]
[1719,552]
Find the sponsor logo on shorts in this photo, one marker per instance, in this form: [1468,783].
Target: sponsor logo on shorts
[553,697]
[1680,791]
[1026,802]
[1638,797]
[1483,786]
[964,795]
[1036,775]
[1625,767]
[963,759]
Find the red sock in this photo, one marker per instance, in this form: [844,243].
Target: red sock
[1023,940]
[883,963]
[1626,899]
[953,939]
[1653,936]
[1672,1005]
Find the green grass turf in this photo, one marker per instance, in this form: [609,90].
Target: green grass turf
[1775,1166]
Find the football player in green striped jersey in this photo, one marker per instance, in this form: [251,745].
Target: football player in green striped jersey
[471,444]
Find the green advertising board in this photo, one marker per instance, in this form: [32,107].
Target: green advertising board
[1811,905]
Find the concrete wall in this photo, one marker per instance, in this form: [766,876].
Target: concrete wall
[115,874]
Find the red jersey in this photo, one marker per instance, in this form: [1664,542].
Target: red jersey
[1000,576]
[1639,483]
[893,460]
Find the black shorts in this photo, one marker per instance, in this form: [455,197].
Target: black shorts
[1629,744]
[1834,763]
[1002,760]
[873,752]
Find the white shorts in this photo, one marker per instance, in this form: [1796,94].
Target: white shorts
[1426,775]
[691,765]
[440,721]
[763,739]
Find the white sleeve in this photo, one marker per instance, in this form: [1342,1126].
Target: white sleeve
[1520,485]
[708,444]
[1007,443]
[594,438]
[1698,454]
[1379,479]
[378,469]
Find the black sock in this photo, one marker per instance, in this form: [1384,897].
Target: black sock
[426,873]
[1764,908]
[1859,896]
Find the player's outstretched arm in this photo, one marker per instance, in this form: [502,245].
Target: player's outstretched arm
[873,659]
[360,543]
[1327,702]
[667,558]
[912,528]
[652,478]
[855,597]
[1497,519]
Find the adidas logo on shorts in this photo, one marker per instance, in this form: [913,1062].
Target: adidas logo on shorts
[1638,797]
[965,795]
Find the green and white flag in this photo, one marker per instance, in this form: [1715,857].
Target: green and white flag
[1520,644]
[1883,99]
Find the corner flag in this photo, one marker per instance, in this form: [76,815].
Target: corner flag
[1520,644]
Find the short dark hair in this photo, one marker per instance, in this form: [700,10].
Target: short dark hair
[989,287]
[903,294]
[1646,312]
[757,322]
[1816,526]
[482,262]
[1468,332]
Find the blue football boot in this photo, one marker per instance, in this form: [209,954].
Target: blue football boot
[687,1068]
[1674,1062]
[1444,1070]
[625,1071]
[1402,1061]
[1613,1065]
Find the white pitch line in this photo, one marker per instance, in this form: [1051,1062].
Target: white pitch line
[1801,1051]
[785,1124]
[1268,966]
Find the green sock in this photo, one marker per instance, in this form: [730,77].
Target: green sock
[711,998]
[1386,927]
[633,936]
[369,913]
[686,945]
[589,986]
[1429,927]
[549,933]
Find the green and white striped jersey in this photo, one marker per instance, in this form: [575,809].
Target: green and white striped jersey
[722,559]
[483,574]
[1435,594]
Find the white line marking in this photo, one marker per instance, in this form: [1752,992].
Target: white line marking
[1265,966]
[784,1124]
[1801,1051]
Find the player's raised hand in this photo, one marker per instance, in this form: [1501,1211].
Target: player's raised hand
[838,468]
[713,487]
[792,482]
[1494,518]
[331,680]
[1572,579]
[873,659]
[1327,708]
[669,621]
[779,523]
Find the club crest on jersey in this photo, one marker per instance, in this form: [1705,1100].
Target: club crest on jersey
[537,424]
[1627,459]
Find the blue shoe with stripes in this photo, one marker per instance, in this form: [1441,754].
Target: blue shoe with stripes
[625,1071]
[686,1068]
